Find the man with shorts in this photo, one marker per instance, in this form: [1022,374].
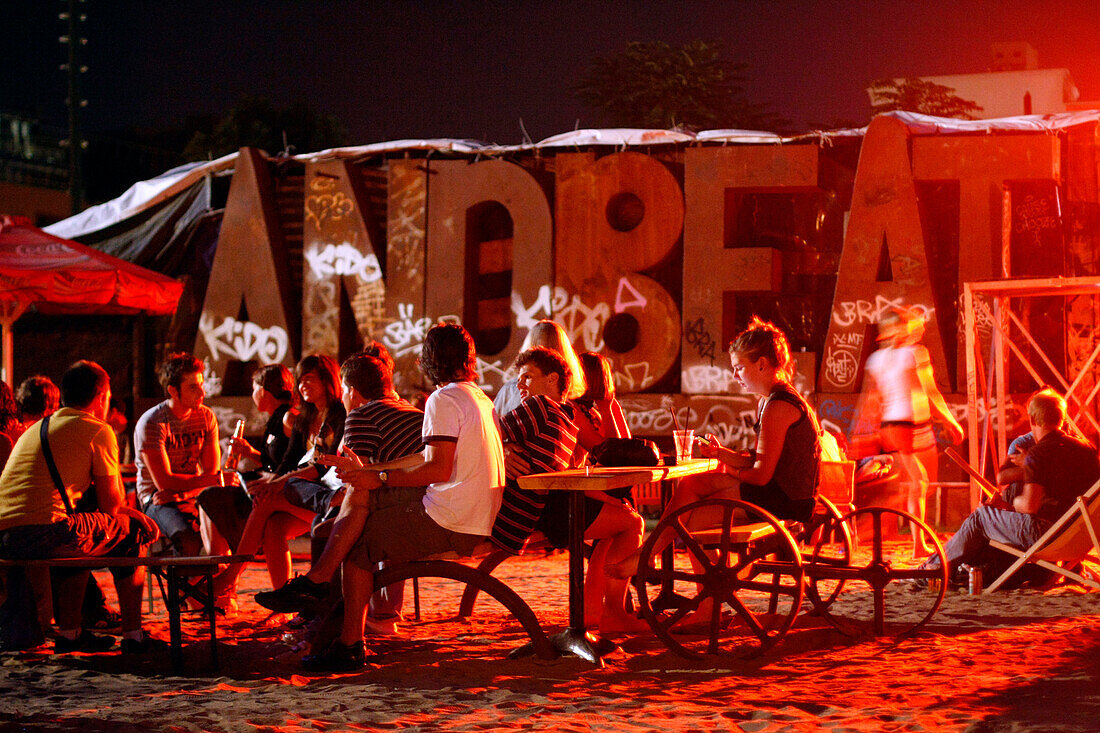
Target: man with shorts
[1057,470]
[176,445]
[380,428]
[463,468]
[35,517]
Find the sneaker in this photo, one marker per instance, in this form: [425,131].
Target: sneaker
[144,646]
[337,657]
[87,642]
[298,594]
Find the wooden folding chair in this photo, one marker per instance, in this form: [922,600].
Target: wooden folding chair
[1069,540]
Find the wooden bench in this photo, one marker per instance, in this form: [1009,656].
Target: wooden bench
[170,570]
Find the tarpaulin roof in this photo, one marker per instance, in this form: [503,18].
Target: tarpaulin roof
[60,276]
[146,194]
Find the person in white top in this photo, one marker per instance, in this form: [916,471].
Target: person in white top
[899,376]
[462,465]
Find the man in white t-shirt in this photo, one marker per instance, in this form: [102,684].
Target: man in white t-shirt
[462,466]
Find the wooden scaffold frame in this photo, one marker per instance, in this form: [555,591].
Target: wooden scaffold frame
[988,303]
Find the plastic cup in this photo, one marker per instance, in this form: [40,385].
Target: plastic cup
[683,439]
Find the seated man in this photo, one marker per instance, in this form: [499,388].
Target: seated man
[1055,472]
[380,428]
[543,434]
[35,517]
[463,468]
[176,446]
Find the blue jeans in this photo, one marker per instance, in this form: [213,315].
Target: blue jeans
[985,524]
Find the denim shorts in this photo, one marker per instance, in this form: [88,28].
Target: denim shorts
[172,520]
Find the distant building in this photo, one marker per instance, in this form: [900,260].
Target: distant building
[1014,85]
[34,170]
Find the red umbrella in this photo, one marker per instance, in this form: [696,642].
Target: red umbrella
[61,276]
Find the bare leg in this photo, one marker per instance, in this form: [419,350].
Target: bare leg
[130,589]
[621,529]
[689,490]
[279,528]
[212,540]
[595,583]
[358,586]
[70,593]
[253,534]
[345,533]
[916,487]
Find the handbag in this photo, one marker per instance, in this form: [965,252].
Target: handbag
[625,452]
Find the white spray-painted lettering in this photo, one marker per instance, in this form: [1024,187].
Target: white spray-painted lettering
[343,260]
[636,298]
[864,311]
[405,335]
[244,340]
[583,324]
[713,379]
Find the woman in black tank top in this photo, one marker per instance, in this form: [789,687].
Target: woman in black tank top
[782,477]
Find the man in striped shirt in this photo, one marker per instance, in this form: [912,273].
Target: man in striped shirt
[540,435]
[380,428]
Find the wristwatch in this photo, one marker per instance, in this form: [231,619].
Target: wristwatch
[384,476]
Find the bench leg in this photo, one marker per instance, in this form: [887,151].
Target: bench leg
[212,612]
[487,565]
[175,633]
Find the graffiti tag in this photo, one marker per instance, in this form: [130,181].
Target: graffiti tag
[243,340]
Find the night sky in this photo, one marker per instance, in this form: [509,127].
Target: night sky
[463,69]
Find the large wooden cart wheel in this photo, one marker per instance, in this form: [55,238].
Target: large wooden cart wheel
[738,557]
[884,596]
[826,541]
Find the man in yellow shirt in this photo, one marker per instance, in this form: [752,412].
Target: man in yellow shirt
[37,521]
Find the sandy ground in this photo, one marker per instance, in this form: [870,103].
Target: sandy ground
[1016,661]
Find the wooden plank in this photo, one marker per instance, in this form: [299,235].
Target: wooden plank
[600,478]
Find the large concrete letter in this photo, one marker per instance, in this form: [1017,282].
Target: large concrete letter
[616,217]
[407,203]
[250,267]
[884,224]
[467,273]
[337,252]
[710,268]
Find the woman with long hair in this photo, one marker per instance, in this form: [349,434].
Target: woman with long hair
[782,477]
[317,430]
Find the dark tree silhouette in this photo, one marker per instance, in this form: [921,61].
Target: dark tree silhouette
[917,95]
[654,85]
[256,122]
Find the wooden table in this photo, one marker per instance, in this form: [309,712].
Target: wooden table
[574,640]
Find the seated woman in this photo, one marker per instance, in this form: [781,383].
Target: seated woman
[600,406]
[783,476]
[543,434]
[273,395]
[317,430]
